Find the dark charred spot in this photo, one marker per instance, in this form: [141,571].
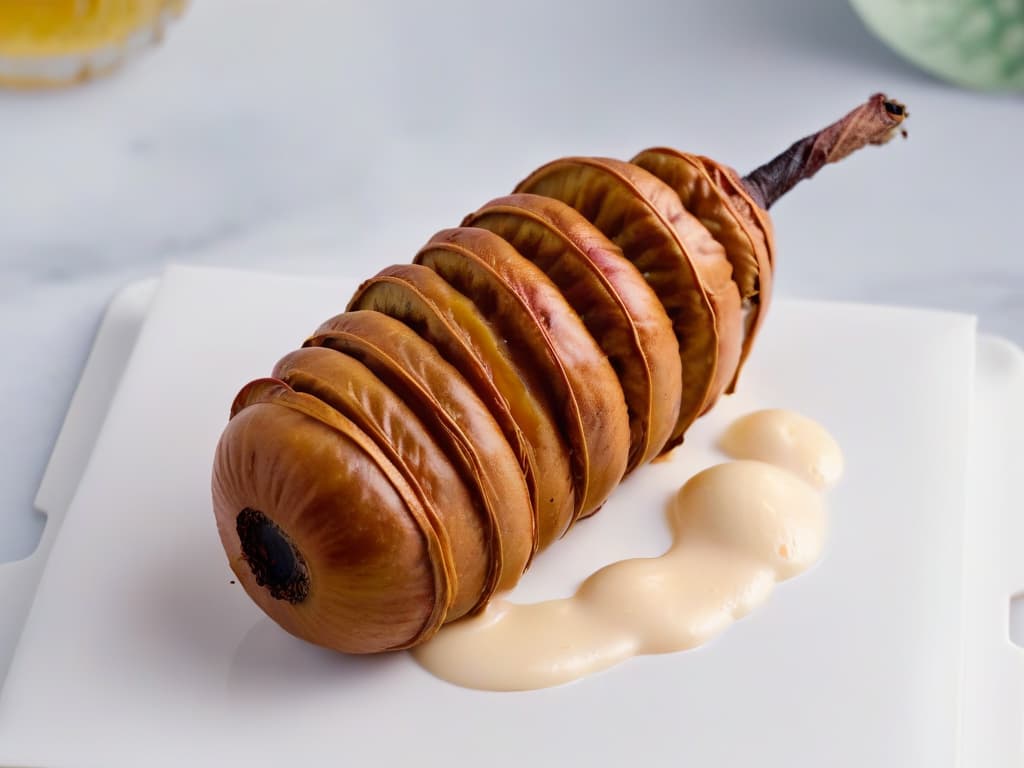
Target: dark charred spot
[272,557]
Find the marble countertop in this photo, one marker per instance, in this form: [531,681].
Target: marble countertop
[327,137]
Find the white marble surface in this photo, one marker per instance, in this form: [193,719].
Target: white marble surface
[336,137]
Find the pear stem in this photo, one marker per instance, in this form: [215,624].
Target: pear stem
[876,121]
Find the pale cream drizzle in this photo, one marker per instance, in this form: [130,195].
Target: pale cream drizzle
[738,528]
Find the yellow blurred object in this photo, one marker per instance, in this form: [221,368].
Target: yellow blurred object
[47,43]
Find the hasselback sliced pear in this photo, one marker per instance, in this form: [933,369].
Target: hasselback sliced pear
[466,410]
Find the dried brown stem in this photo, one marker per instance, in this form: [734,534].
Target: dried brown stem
[876,121]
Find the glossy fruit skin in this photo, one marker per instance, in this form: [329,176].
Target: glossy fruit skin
[378,580]
[585,389]
[353,390]
[468,409]
[677,256]
[618,308]
[463,335]
[707,190]
[472,438]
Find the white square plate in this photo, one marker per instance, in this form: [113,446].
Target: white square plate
[138,650]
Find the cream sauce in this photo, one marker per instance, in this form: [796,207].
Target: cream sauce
[787,440]
[738,528]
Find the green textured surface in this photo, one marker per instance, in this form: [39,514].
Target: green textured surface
[975,43]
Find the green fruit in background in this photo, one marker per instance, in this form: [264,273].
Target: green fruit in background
[975,43]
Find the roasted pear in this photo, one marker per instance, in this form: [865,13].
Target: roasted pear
[677,256]
[457,418]
[617,306]
[528,308]
[467,410]
[323,532]
[460,332]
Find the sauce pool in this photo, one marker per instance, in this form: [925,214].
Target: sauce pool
[738,528]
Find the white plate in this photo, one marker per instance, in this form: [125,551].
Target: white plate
[138,650]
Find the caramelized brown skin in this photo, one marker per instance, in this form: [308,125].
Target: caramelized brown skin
[458,420]
[477,262]
[349,387]
[620,311]
[466,410]
[686,268]
[744,203]
[460,332]
[711,199]
[378,579]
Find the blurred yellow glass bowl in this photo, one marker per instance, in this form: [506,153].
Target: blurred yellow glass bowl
[52,43]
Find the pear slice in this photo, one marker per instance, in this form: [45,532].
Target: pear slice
[618,308]
[424,301]
[349,387]
[680,260]
[533,315]
[322,531]
[457,419]
[726,178]
[730,222]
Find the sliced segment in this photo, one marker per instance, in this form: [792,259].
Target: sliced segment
[533,315]
[457,419]
[349,387]
[618,308]
[322,531]
[679,259]
[453,324]
[727,178]
[729,220]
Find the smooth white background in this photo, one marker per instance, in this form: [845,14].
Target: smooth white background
[335,137]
